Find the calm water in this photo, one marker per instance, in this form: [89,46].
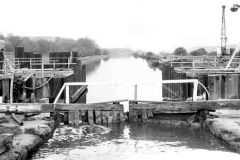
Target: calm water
[133,141]
[125,70]
[129,141]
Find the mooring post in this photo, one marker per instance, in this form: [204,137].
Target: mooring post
[135,92]
[67,94]
[195,86]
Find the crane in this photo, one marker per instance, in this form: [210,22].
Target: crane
[223,33]
[235,7]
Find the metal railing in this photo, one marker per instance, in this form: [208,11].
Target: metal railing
[66,87]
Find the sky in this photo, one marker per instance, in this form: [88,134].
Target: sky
[149,25]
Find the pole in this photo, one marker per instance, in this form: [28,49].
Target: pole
[67,94]
[135,92]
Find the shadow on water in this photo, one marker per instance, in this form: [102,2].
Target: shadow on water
[121,141]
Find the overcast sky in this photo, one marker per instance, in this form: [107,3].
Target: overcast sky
[150,25]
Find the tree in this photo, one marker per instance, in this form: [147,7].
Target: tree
[213,53]
[106,52]
[12,42]
[97,51]
[199,52]
[180,51]
[149,54]
[2,37]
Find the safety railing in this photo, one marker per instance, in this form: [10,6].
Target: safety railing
[66,87]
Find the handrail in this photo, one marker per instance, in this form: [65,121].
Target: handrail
[66,86]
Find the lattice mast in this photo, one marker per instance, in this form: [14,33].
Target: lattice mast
[223,33]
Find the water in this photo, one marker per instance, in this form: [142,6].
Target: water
[135,140]
[125,70]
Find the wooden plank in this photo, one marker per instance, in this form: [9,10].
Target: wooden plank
[144,115]
[80,117]
[114,102]
[88,107]
[122,116]
[71,116]
[77,94]
[90,117]
[104,117]
[98,117]
[109,115]
[189,107]
[76,117]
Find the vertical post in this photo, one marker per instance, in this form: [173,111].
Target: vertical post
[54,67]
[181,60]
[208,63]
[42,68]
[171,62]
[5,68]
[68,63]
[67,94]
[193,64]
[30,63]
[18,63]
[215,60]
[195,86]
[135,92]
[161,87]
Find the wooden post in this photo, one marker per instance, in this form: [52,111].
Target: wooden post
[135,92]
[181,60]
[42,69]
[215,60]
[90,117]
[144,115]
[98,117]
[68,63]
[18,63]
[30,63]
[54,67]
[5,68]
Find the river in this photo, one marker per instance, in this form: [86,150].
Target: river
[129,140]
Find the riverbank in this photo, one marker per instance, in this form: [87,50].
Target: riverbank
[226,127]
[27,138]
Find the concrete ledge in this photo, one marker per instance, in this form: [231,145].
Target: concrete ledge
[35,132]
[227,128]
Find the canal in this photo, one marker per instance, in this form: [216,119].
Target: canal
[129,140]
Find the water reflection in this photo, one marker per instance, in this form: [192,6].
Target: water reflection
[126,70]
[128,141]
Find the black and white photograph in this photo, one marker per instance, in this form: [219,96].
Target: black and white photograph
[119,79]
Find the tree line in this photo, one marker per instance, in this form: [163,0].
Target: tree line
[198,52]
[84,46]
